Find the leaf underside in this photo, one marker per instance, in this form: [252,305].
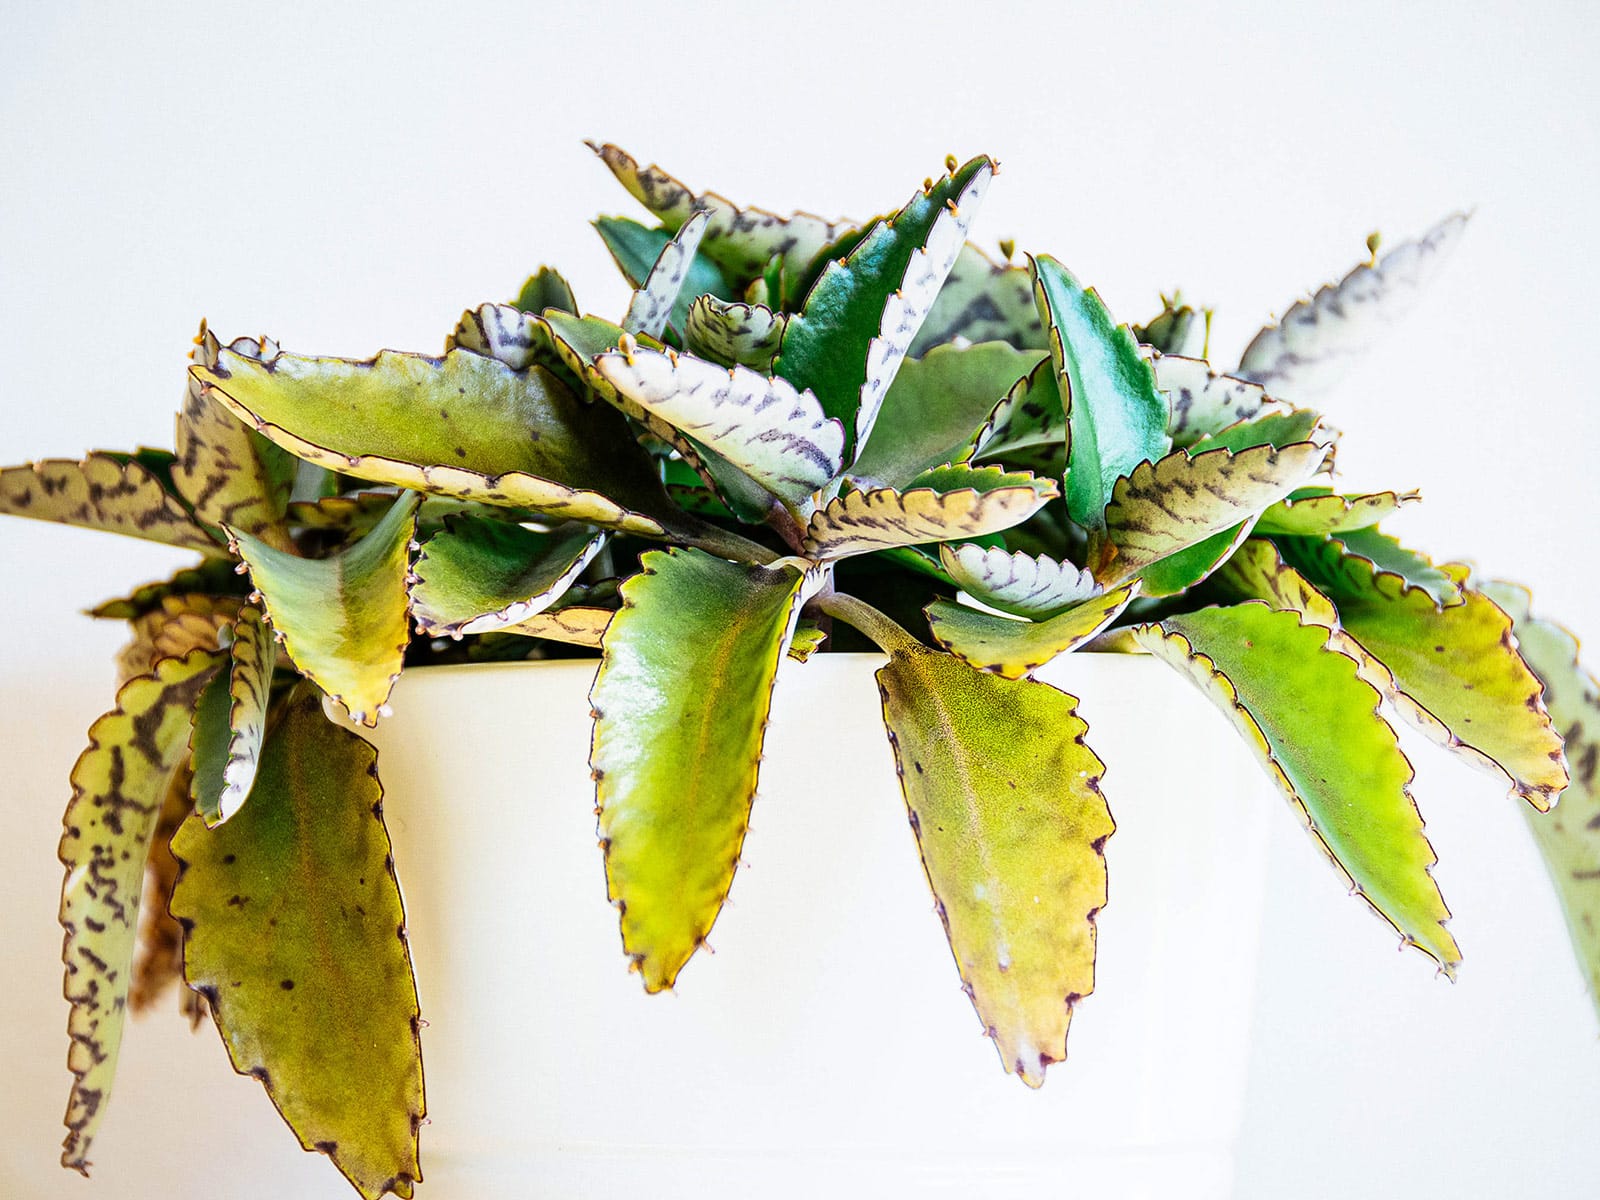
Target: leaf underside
[231,721]
[1014,648]
[475,576]
[105,493]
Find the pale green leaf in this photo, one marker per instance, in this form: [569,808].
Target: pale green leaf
[477,576]
[660,297]
[1013,647]
[1200,401]
[744,335]
[983,301]
[1312,512]
[231,721]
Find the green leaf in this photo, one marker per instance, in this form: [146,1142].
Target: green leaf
[227,471]
[945,504]
[778,436]
[1177,329]
[118,786]
[1200,401]
[1116,416]
[342,619]
[1312,512]
[1029,417]
[102,493]
[295,935]
[545,289]
[680,706]
[1319,339]
[212,576]
[1012,647]
[464,425]
[477,576]
[1568,836]
[666,270]
[1346,565]
[230,722]
[744,335]
[983,301]
[808,639]
[1004,799]
[740,240]
[1183,570]
[1267,429]
[1314,724]
[506,334]
[934,408]
[849,339]
[1026,585]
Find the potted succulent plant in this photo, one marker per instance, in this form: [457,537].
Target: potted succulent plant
[804,438]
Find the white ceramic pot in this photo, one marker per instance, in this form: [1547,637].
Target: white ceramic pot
[826,1048]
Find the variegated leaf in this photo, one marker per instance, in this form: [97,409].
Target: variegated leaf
[775,434]
[103,493]
[1316,511]
[477,576]
[735,335]
[637,249]
[506,333]
[342,619]
[230,721]
[807,640]
[983,301]
[118,788]
[1314,725]
[213,576]
[1004,797]
[1345,565]
[1026,585]
[657,296]
[742,240]
[545,289]
[1030,416]
[174,627]
[1012,647]
[1177,329]
[1200,401]
[1319,339]
[158,947]
[579,625]
[945,504]
[465,425]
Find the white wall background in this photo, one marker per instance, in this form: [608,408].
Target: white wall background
[352,180]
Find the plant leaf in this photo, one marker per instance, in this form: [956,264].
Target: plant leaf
[934,407]
[231,721]
[741,240]
[680,706]
[1346,565]
[735,335]
[807,640]
[1568,836]
[578,625]
[507,334]
[477,576]
[158,946]
[983,301]
[945,504]
[118,788]
[464,425]
[778,436]
[1319,339]
[1200,401]
[1176,329]
[663,295]
[1030,416]
[342,619]
[848,341]
[1026,585]
[546,289]
[295,935]
[1004,798]
[211,576]
[1014,648]
[1312,512]
[1314,725]
[1116,417]
[176,626]
[102,493]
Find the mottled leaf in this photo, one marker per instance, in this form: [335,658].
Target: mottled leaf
[1266,429]
[231,721]
[102,493]
[807,640]
[507,334]
[1313,512]
[464,425]
[680,707]
[118,788]
[158,947]
[1012,647]
[663,294]
[1345,565]
[983,301]
[173,628]
[213,576]
[1030,416]
[476,576]
[744,335]
[544,289]
[1315,726]
[1319,339]
[1177,329]
[1004,799]
[1200,401]
[295,936]
[945,504]
[1025,585]
[579,625]
[342,619]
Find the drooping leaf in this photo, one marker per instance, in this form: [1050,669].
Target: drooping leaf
[102,493]
[934,408]
[118,787]
[228,472]
[158,947]
[664,294]
[179,624]
[848,341]
[1568,835]
[342,619]
[296,938]
[476,576]
[1312,512]
[231,721]
[1315,726]
[213,576]
[544,289]
[741,240]
[1004,799]
[983,301]
[680,706]
[1345,565]
[1026,585]
[579,625]
[1012,647]
[944,504]
[464,425]
[735,335]
[1177,329]
[807,640]
[507,334]
[777,435]
[1030,416]
[1319,339]
[1200,401]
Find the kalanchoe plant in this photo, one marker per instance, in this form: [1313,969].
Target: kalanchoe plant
[804,435]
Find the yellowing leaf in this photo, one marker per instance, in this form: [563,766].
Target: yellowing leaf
[1317,511]
[1014,648]
[231,721]
[102,493]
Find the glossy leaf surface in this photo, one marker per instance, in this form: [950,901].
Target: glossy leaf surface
[546,288]
[475,576]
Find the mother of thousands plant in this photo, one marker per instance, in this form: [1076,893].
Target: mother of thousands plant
[803,435]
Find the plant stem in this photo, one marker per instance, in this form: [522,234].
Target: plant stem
[868,620]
